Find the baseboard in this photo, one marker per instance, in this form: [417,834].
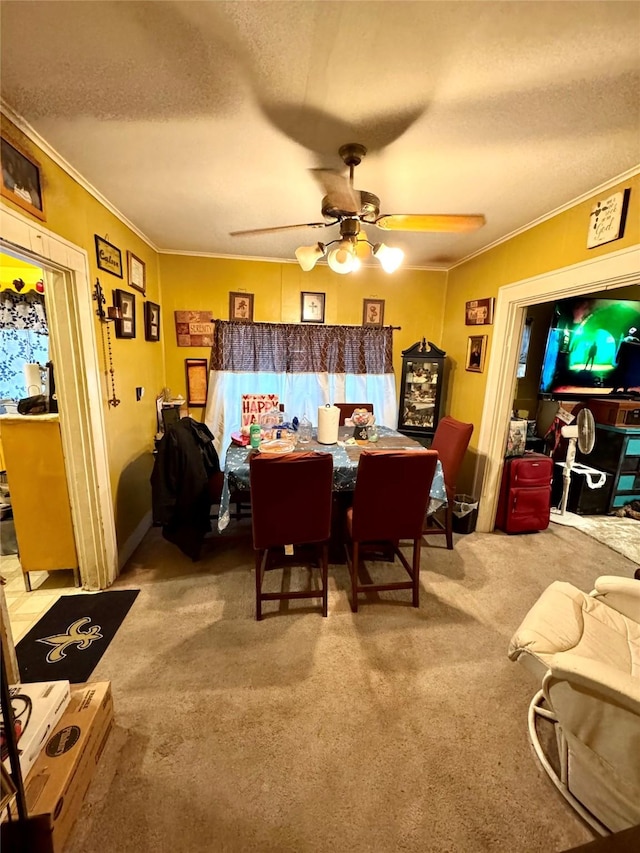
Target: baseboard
[124,554]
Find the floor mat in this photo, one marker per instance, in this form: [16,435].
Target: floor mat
[71,637]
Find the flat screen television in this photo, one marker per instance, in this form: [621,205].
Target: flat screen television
[593,348]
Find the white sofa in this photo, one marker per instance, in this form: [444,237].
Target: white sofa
[585,649]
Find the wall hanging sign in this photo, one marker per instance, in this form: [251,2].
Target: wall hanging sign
[197,377]
[125,322]
[260,409]
[311,307]
[151,321]
[373,312]
[608,218]
[21,179]
[137,271]
[108,256]
[479,312]
[194,328]
[476,351]
[241,307]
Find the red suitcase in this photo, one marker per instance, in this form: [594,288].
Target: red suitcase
[525,494]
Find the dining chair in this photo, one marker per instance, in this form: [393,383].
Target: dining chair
[389,504]
[450,441]
[291,506]
[347,409]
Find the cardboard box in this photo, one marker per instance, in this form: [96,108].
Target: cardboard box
[37,708]
[56,787]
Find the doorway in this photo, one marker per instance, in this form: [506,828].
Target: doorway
[605,272]
[78,383]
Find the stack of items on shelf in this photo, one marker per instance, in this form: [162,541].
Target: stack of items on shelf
[61,732]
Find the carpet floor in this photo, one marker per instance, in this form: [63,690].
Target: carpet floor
[394,729]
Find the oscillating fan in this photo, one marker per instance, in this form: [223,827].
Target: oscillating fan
[582,434]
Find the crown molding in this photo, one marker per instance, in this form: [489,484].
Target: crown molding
[186,253]
[23,125]
[624,176]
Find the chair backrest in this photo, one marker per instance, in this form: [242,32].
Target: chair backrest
[291,498]
[451,440]
[347,409]
[391,494]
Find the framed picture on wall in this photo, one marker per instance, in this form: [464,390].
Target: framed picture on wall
[108,256]
[125,323]
[21,179]
[311,307]
[241,306]
[137,272]
[373,312]
[151,321]
[479,312]
[476,351]
[197,376]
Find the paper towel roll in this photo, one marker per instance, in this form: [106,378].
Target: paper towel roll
[32,379]
[328,422]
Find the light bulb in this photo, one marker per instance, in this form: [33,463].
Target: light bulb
[308,256]
[390,258]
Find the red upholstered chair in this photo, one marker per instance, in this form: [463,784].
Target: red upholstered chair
[346,409]
[389,504]
[450,440]
[291,501]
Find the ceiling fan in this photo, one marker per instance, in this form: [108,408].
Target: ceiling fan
[347,207]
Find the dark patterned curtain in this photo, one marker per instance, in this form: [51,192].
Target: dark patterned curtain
[301,348]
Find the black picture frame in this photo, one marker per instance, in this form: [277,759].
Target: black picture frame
[108,256]
[125,322]
[373,313]
[21,180]
[151,321]
[312,307]
[240,306]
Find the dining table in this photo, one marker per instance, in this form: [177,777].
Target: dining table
[346,456]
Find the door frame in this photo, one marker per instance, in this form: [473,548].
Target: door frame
[605,272]
[70,315]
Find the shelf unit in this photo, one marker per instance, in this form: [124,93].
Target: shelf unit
[421,384]
[617,451]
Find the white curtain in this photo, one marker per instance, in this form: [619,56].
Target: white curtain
[300,392]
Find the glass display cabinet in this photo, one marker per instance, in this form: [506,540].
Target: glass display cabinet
[423,367]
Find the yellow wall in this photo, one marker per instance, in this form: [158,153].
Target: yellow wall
[557,242]
[414,300]
[12,268]
[76,215]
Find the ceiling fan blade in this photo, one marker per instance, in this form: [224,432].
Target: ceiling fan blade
[444,222]
[280,228]
[337,188]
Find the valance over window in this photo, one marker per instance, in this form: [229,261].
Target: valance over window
[305,365]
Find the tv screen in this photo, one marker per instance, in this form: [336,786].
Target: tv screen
[593,348]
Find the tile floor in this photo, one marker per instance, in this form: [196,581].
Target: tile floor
[25,608]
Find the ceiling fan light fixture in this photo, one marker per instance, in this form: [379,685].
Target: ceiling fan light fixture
[390,257]
[342,259]
[308,256]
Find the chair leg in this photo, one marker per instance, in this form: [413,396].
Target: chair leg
[449,526]
[259,585]
[325,579]
[416,571]
[354,577]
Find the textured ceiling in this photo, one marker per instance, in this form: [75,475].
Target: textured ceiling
[196,119]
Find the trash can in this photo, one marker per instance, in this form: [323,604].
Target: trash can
[465,514]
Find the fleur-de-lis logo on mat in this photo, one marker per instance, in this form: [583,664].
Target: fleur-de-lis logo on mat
[61,642]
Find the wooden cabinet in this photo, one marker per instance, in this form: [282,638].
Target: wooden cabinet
[421,384]
[32,448]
